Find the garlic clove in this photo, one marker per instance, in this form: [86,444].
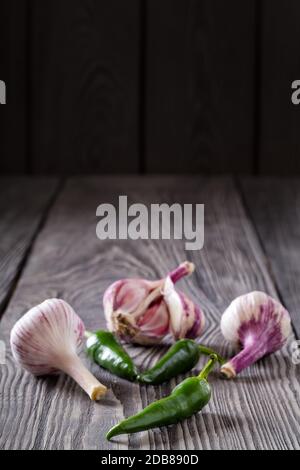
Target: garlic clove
[186,319]
[144,312]
[257,322]
[46,341]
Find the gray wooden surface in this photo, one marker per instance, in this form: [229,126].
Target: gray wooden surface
[260,409]
[275,211]
[23,206]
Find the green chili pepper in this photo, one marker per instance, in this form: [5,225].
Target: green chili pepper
[189,397]
[180,358]
[104,349]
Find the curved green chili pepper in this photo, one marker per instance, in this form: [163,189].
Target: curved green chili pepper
[189,397]
[180,358]
[104,349]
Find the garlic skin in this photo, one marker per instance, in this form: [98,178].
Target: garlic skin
[257,322]
[144,312]
[46,341]
[186,318]
[121,303]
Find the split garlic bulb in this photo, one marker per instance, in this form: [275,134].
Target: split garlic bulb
[46,340]
[144,312]
[257,322]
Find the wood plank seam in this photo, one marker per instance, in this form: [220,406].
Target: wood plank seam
[44,217]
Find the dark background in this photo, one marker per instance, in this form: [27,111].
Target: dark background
[149,86]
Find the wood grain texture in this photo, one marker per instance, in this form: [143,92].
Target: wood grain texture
[274,207]
[84,72]
[280,66]
[258,410]
[13,70]
[21,213]
[199,86]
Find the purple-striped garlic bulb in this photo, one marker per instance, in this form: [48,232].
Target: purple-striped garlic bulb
[259,324]
[144,312]
[46,341]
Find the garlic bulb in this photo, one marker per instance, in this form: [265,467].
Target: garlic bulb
[46,340]
[144,312]
[259,323]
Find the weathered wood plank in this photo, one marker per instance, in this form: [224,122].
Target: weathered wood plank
[84,72]
[274,206]
[258,410]
[280,66]
[23,202]
[199,86]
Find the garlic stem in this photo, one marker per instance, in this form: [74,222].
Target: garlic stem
[73,367]
[243,359]
[184,269]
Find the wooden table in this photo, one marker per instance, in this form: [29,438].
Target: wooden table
[49,248]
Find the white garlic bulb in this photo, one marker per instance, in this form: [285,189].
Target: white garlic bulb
[46,340]
[257,322]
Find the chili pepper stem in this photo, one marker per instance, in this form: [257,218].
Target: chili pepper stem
[208,367]
[208,352]
[88,334]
